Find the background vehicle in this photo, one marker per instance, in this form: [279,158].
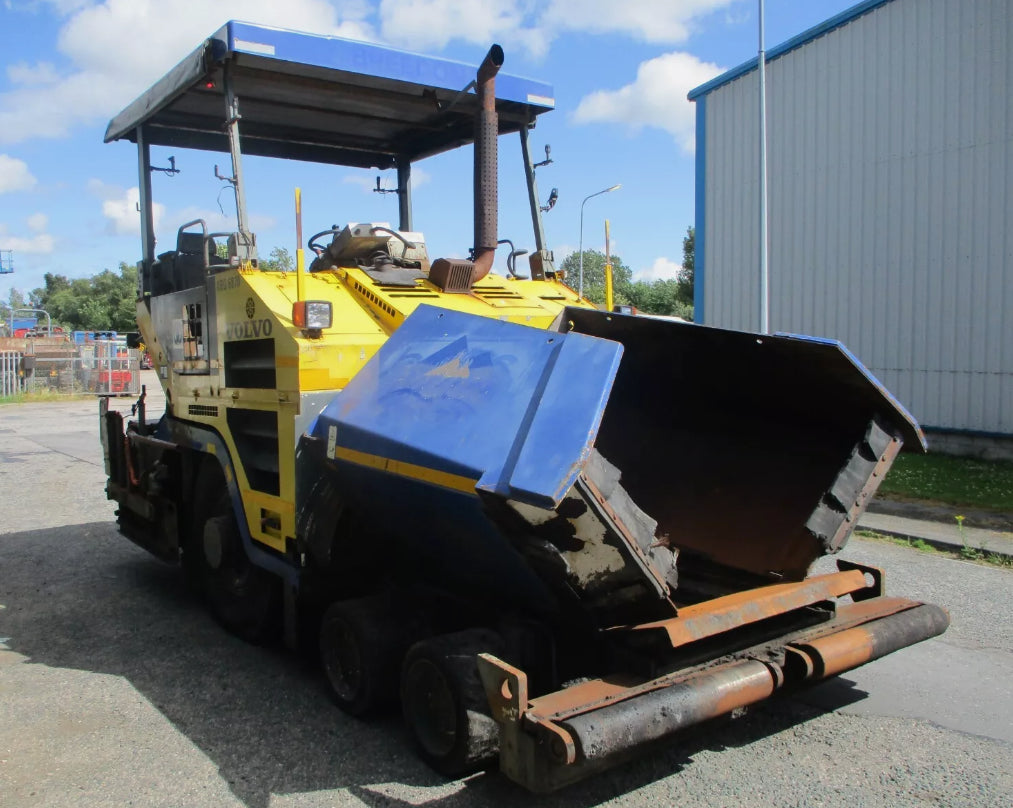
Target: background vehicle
[554,534]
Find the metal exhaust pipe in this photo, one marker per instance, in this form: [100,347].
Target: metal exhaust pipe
[486,164]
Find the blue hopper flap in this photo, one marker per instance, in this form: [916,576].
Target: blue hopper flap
[511,408]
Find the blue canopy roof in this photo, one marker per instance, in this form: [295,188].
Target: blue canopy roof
[321,98]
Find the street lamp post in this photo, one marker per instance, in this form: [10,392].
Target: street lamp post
[761,64]
[580,283]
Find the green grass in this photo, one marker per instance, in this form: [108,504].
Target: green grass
[42,396]
[956,481]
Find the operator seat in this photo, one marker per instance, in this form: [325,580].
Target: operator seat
[191,262]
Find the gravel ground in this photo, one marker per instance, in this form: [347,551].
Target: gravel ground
[116,688]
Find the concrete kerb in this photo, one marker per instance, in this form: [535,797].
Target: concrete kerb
[951,537]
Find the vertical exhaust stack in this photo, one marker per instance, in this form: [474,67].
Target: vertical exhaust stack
[486,164]
[453,275]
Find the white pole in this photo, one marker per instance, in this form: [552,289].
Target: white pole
[764,271]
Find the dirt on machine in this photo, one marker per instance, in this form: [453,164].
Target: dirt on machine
[552,536]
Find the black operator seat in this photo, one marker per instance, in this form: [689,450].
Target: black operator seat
[191,260]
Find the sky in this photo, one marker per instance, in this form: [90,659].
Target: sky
[620,73]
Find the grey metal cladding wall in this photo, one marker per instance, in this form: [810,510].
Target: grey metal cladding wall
[891,187]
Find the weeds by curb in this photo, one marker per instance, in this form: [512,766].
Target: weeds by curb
[965,553]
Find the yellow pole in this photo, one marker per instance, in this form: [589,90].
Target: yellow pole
[608,270]
[299,261]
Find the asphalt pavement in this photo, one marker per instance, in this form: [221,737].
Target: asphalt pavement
[117,688]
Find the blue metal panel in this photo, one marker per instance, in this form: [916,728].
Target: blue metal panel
[514,408]
[564,421]
[797,41]
[700,225]
[369,105]
[368,59]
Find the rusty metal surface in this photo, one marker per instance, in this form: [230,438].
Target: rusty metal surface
[848,649]
[705,695]
[656,560]
[506,687]
[599,545]
[854,614]
[583,696]
[486,164]
[723,614]
[453,276]
[558,738]
[758,431]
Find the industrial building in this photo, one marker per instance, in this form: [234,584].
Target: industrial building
[890,165]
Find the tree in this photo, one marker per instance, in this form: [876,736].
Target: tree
[688,275]
[15,300]
[103,302]
[660,297]
[280,260]
[53,283]
[594,275]
[672,297]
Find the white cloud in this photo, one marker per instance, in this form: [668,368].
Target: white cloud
[419,177]
[14,175]
[115,49]
[366,180]
[656,98]
[119,206]
[649,20]
[40,243]
[218,222]
[36,75]
[64,7]
[662,269]
[429,24]
[37,222]
[532,25]
[119,47]
[560,251]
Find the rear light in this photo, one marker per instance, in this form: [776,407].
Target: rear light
[313,315]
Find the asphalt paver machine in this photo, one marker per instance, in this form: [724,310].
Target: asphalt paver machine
[554,535]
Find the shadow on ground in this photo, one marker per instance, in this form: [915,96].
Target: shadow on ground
[82,597]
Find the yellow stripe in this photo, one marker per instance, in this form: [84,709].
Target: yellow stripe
[441,478]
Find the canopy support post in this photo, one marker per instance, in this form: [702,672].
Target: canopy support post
[541,259]
[404,193]
[246,248]
[144,201]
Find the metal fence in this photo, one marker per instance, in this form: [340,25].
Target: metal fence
[10,373]
[100,368]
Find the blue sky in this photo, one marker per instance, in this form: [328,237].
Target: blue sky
[620,72]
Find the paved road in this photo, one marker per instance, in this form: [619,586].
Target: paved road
[117,689]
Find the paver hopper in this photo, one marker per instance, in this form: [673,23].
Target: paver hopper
[651,493]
